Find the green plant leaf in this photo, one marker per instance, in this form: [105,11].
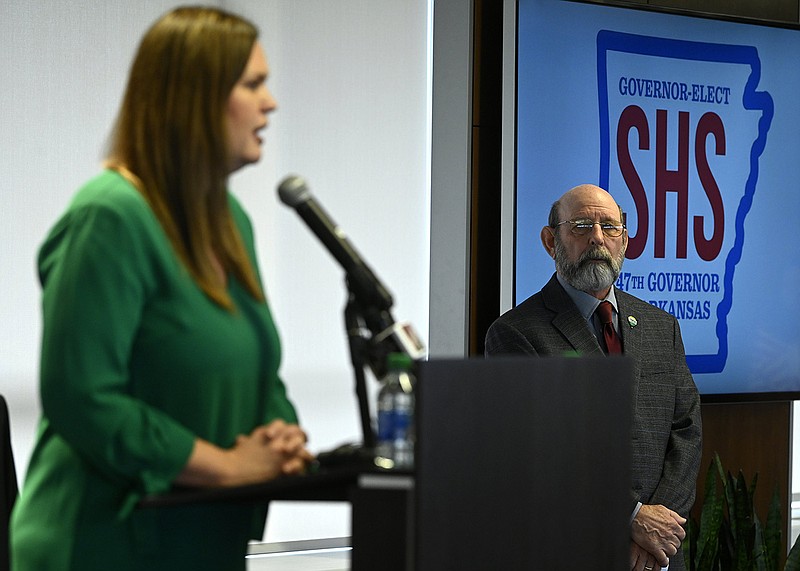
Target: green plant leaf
[793,560]
[772,532]
[728,490]
[689,544]
[707,549]
[759,551]
[741,521]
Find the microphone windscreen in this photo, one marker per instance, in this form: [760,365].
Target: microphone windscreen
[293,190]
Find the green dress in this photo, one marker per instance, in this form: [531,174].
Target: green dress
[136,363]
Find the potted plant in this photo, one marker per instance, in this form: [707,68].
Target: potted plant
[730,535]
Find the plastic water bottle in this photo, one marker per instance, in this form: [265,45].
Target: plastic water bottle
[396,435]
[384,448]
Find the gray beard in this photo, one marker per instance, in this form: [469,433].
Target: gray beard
[585,275]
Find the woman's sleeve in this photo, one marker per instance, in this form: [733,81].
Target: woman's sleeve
[96,273]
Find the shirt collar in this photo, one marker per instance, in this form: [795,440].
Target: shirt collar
[587,303]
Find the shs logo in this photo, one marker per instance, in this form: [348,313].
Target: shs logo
[633,118]
[682,129]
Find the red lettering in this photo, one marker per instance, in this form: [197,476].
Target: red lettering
[676,181]
[633,117]
[709,124]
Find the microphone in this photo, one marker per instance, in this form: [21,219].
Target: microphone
[369,290]
[372,299]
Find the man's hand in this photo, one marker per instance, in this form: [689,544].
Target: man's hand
[657,530]
[641,560]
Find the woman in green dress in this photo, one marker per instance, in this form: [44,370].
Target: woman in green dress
[159,359]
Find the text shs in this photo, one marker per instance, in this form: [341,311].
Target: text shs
[689,146]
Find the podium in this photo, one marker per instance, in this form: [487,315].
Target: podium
[521,464]
[381,500]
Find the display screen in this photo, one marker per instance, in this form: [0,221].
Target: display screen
[693,125]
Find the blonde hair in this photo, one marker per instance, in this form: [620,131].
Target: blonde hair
[171,134]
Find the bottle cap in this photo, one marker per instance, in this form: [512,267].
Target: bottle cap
[398,361]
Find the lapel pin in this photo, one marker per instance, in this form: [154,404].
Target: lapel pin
[632,321]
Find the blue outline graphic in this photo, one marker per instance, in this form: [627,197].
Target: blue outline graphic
[752,100]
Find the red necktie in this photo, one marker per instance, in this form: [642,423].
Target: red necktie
[613,342]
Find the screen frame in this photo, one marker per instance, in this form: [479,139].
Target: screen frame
[508,222]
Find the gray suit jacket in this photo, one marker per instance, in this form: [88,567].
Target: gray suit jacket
[666,430]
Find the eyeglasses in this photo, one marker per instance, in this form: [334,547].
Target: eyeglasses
[583,227]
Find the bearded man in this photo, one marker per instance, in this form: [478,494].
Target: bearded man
[587,238]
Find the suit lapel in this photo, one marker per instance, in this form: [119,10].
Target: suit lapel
[627,325]
[631,337]
[568,320]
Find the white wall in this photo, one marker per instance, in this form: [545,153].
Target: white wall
[351,82]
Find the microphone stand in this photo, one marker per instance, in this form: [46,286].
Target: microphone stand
[358,316]
[372,334]
[359,350]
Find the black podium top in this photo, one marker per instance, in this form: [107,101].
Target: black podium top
[328,484]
